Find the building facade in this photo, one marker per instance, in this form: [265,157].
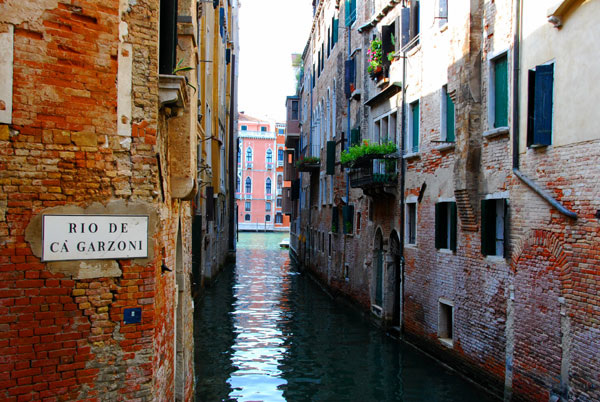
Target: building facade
[101,142]
[435,181]
[260,175]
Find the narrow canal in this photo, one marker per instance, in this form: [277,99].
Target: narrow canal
[264,332]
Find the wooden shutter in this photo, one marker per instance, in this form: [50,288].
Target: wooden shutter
[439,225]
[348,76]
[501,92]
[415,127]
[387,45]
[488,227]
[330,157]
[334,34]
[210,204]
[355,136]
[405,26]
[414,18]
[450,126]
[453,225]
[167,36]
[530,106]
[221,21]
[542,122]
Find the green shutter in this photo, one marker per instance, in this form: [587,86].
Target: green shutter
[488,227]
[334,34]
[355,136]
[501,92]
[415,127]
[450,127]
[542,122]
[330,157]
[453,225]
[506,229]
[439,225]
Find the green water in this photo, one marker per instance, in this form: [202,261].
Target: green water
[264,332]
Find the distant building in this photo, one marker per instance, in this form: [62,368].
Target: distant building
[259,185]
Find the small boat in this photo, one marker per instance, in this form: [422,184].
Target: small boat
[285,243]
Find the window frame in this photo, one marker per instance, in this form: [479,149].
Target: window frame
[489,214]
[249,154]
[411,226]
[492,89]
[534,137]
[248,184]
[247,206]
[410,147]
[444,115]
[446,225]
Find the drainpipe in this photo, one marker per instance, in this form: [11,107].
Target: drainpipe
[516,127]
[402,185]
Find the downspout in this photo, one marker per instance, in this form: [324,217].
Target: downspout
[402,185]
[516,126]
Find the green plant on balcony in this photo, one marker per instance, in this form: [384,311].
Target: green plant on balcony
[366,151]
[375,58]
[307,161]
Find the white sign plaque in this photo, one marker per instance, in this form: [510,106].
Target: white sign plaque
[94,237]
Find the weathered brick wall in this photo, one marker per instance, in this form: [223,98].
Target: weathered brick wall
[60,336]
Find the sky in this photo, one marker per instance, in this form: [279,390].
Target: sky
[270,31]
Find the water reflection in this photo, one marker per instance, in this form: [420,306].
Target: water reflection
[264,332]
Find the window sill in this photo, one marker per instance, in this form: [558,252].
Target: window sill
[445,250]
[496,132]
[495,258]
[445,147]
[448,342]
[413,155]
[411,245]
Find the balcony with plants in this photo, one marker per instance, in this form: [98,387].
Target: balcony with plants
[373,167]
[309,163]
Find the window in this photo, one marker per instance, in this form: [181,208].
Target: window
[388,42]
[280,154]
[278,203]
[244,128]
[349,77]
[414,25]
[442,12]
[539,105]
[268,185]
[237,185]
[278,218]
[412,139]
[247,206]
[446,322]
[267,206]
[334,31]
[279,182]
[247,217]
[447,114]
[263,129]
[494,226]
[411,222]
[358,215]
[385,129]
[445,225]
[248,185]
[281,131]
[267,218]
[167,36]
[239,155]
[269,156]
[294,110]
[248,154]
[498,93]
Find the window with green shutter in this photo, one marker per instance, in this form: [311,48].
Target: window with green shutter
[501,91]
[412,139]
[450,126]
[540,105]
[355,136]
[350,12]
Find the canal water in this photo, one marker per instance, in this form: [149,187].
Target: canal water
[264,332]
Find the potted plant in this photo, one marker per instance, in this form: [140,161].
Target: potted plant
[366,151]
[375,58]
[306,163]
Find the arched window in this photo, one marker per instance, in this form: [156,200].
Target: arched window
[268,185]
[279,182]
[248,185]
[247,217]
[248,154]
[239,155]
[267,218]
[280,154]
[269,156]
[237,186]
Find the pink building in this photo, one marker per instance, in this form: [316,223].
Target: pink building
[260,175]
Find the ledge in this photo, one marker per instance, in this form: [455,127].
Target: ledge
[386,93]
[446,342]
[413,155]
[355,94]
[557,13]
[171,91]
[496,132]
[445,147]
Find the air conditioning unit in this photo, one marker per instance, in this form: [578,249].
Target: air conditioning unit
[248,165]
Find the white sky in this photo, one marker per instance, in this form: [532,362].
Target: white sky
[270,31]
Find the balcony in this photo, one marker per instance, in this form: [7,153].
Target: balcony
[247,196]
[310,161]
[378,177]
